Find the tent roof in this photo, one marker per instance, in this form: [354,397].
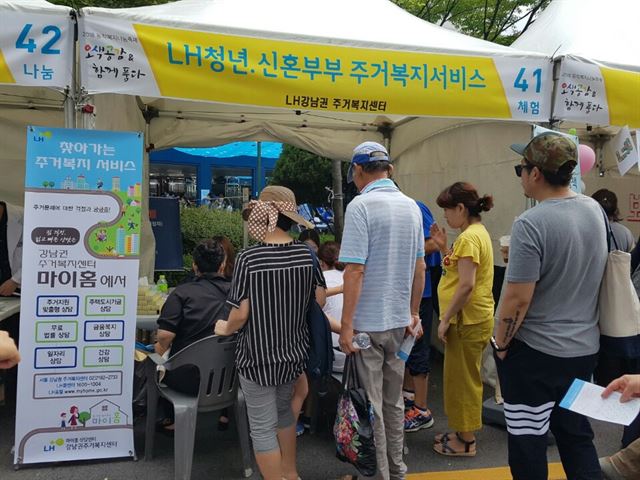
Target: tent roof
[354,23]
[604,32]
[364,23]
[32,6]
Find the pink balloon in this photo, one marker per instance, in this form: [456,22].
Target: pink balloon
[587,158]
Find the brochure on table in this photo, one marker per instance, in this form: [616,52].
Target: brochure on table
[79,286]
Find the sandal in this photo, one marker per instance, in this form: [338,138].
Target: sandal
[443,448]
[440,437]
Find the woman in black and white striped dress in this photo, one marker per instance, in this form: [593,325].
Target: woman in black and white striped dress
[272,284]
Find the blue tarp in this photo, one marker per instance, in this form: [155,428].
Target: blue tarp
[236,149]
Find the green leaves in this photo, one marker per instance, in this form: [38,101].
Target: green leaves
[198,224]
[500,21]
[304,173]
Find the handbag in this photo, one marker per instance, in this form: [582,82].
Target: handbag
[618,301]
[353,428]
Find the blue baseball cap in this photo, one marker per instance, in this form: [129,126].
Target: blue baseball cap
[367,152]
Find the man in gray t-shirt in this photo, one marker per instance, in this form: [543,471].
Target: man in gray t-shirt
[548,320]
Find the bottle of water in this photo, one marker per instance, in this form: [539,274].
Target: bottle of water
[361,341]
[405,348]
[162,285]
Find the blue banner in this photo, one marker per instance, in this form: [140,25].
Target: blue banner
[81,244]
[164,214]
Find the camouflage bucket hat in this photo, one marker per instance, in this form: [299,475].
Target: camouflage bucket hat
[548,151]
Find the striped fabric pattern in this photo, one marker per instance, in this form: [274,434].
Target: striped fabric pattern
[278,281]
[528,420]
[383,231]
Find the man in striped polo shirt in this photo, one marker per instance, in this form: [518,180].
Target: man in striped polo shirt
[383,249]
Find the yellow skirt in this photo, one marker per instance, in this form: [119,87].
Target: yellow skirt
[462,379]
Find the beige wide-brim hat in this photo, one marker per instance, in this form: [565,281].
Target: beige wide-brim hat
[280,194]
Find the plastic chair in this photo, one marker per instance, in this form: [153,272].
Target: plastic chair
[214,357]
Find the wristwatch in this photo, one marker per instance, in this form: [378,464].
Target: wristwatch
[496,348]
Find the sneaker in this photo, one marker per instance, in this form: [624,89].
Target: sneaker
[299,428]
[416,419]
[306,421]
[408,398]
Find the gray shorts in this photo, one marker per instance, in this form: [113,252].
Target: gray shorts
[268,409]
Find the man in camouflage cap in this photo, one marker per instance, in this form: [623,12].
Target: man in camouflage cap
[548,319]
[549,151]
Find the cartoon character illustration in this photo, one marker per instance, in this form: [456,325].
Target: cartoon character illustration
[132,225]
[63,420]
[73,420]
[101,235]
[99,184]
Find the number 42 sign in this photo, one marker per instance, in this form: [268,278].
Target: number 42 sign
[36,49]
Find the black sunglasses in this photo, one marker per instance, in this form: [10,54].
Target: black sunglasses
[518,169]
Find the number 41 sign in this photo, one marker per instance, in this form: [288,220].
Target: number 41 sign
[36,49]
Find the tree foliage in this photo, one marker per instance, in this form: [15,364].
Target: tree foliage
[500,21]
[304,173]
[107,3]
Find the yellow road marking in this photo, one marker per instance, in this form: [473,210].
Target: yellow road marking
[500,473]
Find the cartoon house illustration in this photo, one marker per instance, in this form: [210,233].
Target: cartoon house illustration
[107,413]
[81,183]
[68,184]
[115,184]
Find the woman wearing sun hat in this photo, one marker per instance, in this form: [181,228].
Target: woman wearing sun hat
[272,284]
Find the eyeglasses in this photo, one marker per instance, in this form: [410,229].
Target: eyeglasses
[519,168]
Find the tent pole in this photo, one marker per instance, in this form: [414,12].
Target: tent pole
[258,167]
[71,97]
[337,204]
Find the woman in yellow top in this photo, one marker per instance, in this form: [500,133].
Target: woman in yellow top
[466,314]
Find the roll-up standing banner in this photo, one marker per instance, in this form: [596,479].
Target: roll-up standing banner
[81,250]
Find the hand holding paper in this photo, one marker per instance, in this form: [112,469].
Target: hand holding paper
[593,401]
[628,385]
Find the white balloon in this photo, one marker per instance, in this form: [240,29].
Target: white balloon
[583,187]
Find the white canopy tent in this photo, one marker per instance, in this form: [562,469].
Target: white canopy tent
[587,30]
[179,117]
[364,24]
[378,28]
[596,47]
[593,35]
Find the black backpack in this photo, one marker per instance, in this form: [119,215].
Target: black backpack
[320,363]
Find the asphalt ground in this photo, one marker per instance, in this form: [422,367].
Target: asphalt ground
[216,454]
